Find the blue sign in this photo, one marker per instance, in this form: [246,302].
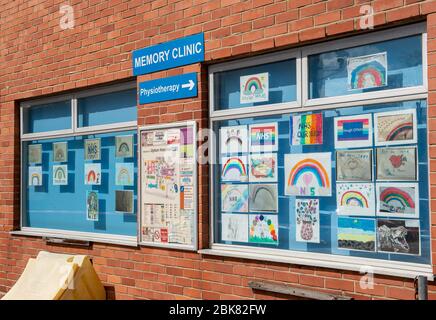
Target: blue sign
[169,55]
[172,88]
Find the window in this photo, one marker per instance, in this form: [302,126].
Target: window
[338,179]
[81,183]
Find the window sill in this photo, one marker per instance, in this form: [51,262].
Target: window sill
[362,265]
[81,236]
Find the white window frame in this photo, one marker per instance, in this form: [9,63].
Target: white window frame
[67,133]
[378,266]
[214,111]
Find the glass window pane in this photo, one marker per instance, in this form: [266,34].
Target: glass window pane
[373,67]
[107,108]
[47,117]
[252,207]
[56,202]
[278,77]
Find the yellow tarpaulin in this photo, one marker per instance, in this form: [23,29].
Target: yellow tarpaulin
[54,276]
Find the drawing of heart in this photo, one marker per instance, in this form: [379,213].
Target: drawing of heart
[397,161]
[307,179]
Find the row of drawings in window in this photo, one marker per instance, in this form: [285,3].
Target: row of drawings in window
[398,163]
[124,174]
[362,234]
[92,150]
[123,203]
[390,128]
[399,200]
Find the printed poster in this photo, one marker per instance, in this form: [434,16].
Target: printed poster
[308,174]
[264,137]
[307,220]
[354,165]
[234,139]
[234,198]
[234,169]
[398,236]
[399,200]
[35,176]
[306,129]
[254,88]
[356,234]
[263,167]
[264,229]
[124,174]
[353,131]
[92,207]
[124,146]
[367,72]
[168,185]
[35,153]
[355,199]
[93,173]
[395,127]
[396,164]
[234,227]
[263,198]
[60,151]
[92,149]
[60,175]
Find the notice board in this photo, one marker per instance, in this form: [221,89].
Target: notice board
[168,185]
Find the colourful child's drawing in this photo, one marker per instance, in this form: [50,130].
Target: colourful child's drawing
[92,149]
[234,227]
[93,173]
[234,198]
[355,199]
[60,175]
[124,146]
[264,229]
[398,200]
[124,174]
[35,176]
[367,72]
[307,220]
[60,151]
[308,174]
[264,137]
[356,234]
[395,127]
[92,205]
[234,139]
[234,169]
[263,198]
[263,167]
[306,129]
[254,88]
[353,131]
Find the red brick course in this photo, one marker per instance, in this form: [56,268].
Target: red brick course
[38,58]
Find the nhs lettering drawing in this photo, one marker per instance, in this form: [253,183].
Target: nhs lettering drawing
[168,55]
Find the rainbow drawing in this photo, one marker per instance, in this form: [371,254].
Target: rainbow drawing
[401,130]
[234,198]
[92,173]
[35,176]
[60,173]
[306,129]
[124,174]
[35,179]
[397,197]
[354,198]
[234,168]
[352,130]
[312,167]
[367,72]
[253,84]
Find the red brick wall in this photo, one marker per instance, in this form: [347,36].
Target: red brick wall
[37,58]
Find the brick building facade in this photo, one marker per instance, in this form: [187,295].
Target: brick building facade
[39,59]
